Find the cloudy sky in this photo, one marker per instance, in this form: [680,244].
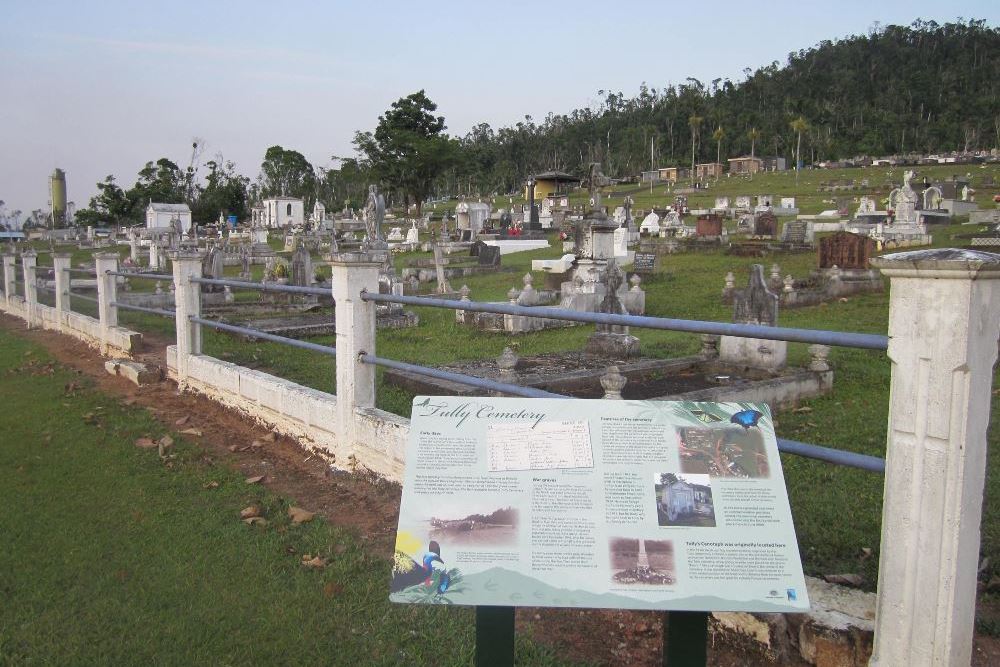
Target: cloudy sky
[102,88]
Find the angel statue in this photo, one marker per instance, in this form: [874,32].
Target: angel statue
[374,214]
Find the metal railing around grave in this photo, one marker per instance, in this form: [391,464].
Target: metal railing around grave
[815,336]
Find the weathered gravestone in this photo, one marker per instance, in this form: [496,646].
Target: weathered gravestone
[796,231]
[476,248]
[211,267]
[846,251]
[302,270]
[644,262]
[765,224]
[708,225]
[612,339]
[489,255]
[755,304]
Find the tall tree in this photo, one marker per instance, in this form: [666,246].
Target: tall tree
[718,135]
[287,173]
[225,192]
[694,122]
[799,125]
[408,149]
[753,135]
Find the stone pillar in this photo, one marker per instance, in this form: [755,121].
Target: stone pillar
[107,293]
[9,276]
[352,273]
[944,318]
[28,261]
[60,262]
[187,303]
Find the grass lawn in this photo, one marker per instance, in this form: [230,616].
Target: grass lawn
[112,557]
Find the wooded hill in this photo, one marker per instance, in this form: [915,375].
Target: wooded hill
[898,89]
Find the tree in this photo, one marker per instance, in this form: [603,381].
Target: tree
[225,192]
[753,135]
[161,181]
[287,173]
[718,136]
[109,205]
[799,125]
[694,122]
[408,149]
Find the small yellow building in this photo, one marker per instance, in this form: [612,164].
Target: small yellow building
[550,183]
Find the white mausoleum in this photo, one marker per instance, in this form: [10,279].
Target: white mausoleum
[160,216]
[283,211]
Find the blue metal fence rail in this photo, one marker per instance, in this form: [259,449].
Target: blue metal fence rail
[264,286]
[143,309]
[256,333]
[792,335]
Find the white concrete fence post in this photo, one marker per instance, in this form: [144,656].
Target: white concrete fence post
[29,259]
[944,319]
[60,264]
[9,276]
[355,326]
[107,293]
[187,303]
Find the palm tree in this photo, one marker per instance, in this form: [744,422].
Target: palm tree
[799,125]
[718,135]
[694,122]
[754,135]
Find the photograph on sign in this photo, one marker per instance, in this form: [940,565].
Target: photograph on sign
[595,503]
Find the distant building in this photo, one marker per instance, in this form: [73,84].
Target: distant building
[774,163]
[550,183]
[707,170]
[745,165]
[283,212]
[161,216]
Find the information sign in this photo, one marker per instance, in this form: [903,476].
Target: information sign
[595,503]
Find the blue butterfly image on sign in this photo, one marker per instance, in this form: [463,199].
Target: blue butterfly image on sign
[747,418]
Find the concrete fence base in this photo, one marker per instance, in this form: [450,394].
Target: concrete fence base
[306,414]
[120,341]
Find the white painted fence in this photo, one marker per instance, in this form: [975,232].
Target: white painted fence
[944,320]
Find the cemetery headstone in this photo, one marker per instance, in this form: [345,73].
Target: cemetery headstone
[708,225]
[846,251]
[905,210]
[765,224]
[489,255]
[613,339]
[644,262]
[302,273]
[756,304]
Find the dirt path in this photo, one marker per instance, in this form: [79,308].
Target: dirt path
[369,506]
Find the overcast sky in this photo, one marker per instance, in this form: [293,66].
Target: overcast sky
[102,88]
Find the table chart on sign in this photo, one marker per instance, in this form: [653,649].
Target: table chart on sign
[544,446]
